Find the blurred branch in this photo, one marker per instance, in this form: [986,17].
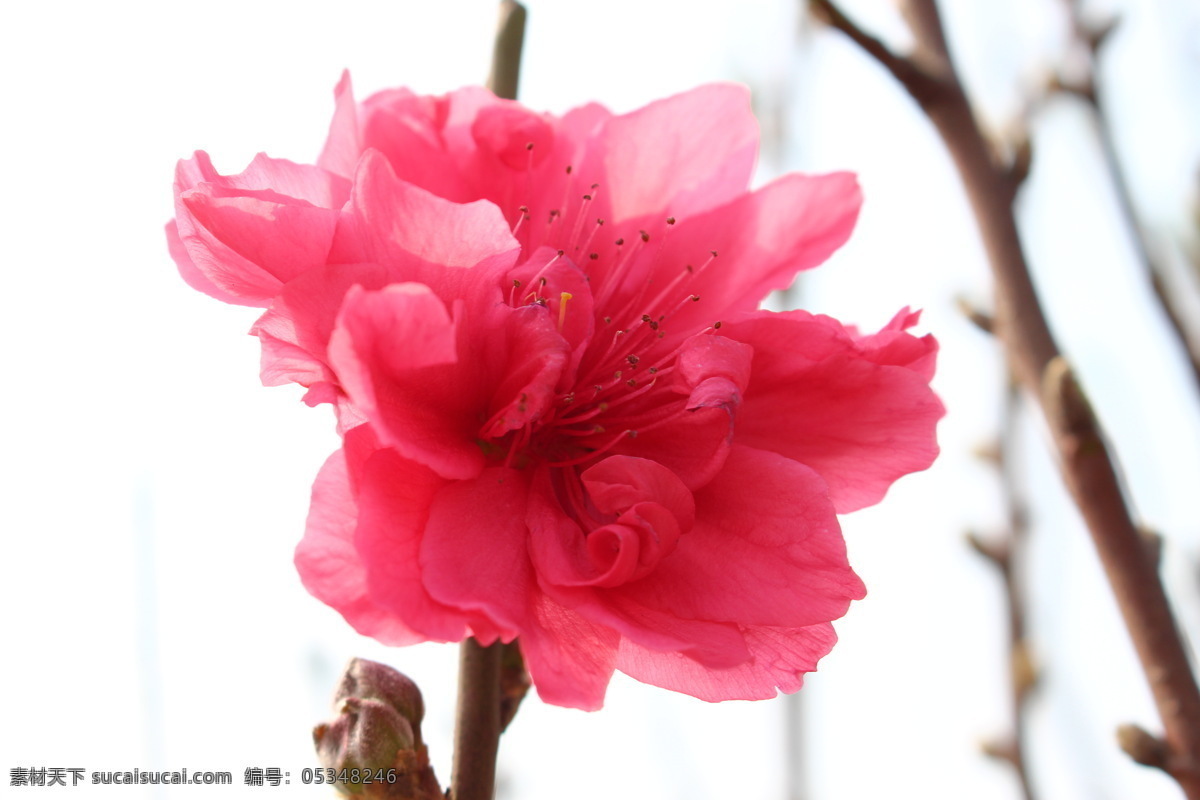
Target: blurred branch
[506,53]
[1088,469]
[1092,37]
[1006,556]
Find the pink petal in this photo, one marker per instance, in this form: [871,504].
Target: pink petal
[569,659]
[473,555]
[894,345]
[395,500]
[819,398]
[343,146]
[619,482]
[395,354]
[779,658]
[766,549]
[556,543]
[191,274]
[243,236]
[408,130]
[332,569]
[452,247]
[281,240]
[762,239]
[682,155]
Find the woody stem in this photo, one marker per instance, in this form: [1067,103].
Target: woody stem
[477,727]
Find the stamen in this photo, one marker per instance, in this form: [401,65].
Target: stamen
[520,219]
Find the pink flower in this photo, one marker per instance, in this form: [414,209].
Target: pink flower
[564,419]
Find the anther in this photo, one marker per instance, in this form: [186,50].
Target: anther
[568,169]
[529,146]
[716,326]
[670,220]
[645,236]
[599,221]
[587,197]
[632,382]
[593,256]
[633,360]
[620,242]
[695,298]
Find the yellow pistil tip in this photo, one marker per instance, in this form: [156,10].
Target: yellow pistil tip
[562,309]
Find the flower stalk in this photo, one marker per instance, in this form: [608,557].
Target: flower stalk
[478,724]
[480,718]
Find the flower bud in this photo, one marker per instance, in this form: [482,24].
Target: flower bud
[376,738]
[370,679]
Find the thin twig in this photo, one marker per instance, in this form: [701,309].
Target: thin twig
[506,54]
[1035,360]
[477,726]
[1093,38]
[1007,556]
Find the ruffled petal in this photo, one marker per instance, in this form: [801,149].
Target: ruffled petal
[766,549]
[330,564]
[819,398]
[779,658]
[556,544]
[243,236]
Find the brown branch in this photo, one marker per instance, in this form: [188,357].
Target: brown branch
[506,53]
[477,726]
[921,80]
[1092,38]
[1035,360]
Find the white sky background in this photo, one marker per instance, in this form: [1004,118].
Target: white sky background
[152,491]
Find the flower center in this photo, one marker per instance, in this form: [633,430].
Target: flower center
[620,382]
